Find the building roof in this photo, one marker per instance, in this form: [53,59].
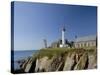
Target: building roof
[85,38]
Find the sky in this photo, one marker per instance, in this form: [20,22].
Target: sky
[34,22]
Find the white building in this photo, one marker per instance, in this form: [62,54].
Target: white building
[86,41]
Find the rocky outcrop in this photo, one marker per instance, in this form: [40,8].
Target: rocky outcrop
[82,63]
[69,62]
[72,60]
[92,61]
[42,64]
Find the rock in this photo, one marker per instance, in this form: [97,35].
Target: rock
[48,65]
[82,63]
[69,62]
[28,66]
[92,61]
[42,64]
[37,65]
[56,61]
[23,65]
[74,60]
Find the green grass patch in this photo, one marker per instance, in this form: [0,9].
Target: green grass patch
[50,52]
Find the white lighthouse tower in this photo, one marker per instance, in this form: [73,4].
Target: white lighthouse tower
[63,37]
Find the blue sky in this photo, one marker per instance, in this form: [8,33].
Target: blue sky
[34,22]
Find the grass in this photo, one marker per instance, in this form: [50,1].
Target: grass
[50,52]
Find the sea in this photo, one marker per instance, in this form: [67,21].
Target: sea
[21,54]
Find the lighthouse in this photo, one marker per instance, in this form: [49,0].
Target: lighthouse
[63,37]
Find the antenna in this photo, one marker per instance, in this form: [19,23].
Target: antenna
[75,36]
[63,28]
[45,43]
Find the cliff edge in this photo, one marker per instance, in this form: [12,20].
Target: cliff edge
[61,60]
